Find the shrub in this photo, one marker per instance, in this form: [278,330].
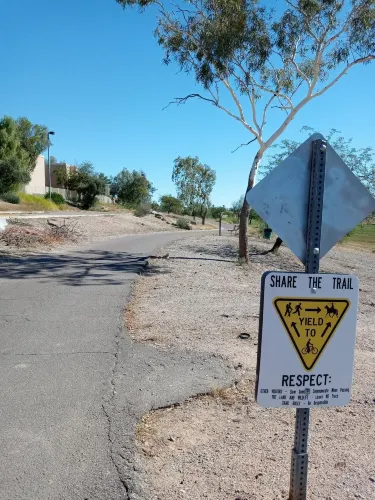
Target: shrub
[55,197]
[142,210]
[183,224]
[155,206]
[11,198]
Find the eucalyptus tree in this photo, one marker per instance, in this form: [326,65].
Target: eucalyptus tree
[266,60]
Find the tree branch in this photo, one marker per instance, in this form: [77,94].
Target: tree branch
[244,144]
[340,75]
[182,100]
[297,68]
[234,97]
[266,108]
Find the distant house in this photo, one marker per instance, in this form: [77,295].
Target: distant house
[39,182]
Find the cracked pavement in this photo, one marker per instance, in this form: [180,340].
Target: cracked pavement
[73,386]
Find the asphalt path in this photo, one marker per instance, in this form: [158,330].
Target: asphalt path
[72,384]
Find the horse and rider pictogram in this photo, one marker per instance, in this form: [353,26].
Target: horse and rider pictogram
[310,324]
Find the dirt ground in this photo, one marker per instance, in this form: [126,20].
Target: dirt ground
[222,445]
[94,228]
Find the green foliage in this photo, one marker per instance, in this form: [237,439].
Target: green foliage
[55,197]
[132,188]
[12,173]
[20,144]
[216,212]
[183,224]
[169,203]
[62,176]
[155,206]
[11,198]
[142,210]
[85,181]
[33,139]
[236,208]
[361,161]
[265,52]
[194,183]
[14,167]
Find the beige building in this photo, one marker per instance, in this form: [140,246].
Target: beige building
[39,182]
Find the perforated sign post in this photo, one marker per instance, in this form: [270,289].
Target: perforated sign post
[308,321]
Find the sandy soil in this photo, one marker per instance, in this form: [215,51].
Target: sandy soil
[223,446]
[96,228]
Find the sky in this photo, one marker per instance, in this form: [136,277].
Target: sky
[94,74]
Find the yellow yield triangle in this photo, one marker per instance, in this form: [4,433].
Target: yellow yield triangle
[310,324]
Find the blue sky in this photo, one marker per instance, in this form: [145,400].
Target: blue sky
[94,74]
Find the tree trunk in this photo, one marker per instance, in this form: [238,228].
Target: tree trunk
[276,245]
[245,210]
[203,215]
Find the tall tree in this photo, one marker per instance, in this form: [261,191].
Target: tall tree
[84,180]
[194,183]
[14,160]
[266,60]
[132,188]
[169,203]
[33,139]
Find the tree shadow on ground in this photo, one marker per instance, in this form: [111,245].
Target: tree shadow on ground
[258,254]
[214,250]
[89,268]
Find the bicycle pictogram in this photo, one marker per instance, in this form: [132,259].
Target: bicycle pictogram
[309,348]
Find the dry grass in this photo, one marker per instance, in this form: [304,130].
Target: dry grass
[21,234]
[223,446]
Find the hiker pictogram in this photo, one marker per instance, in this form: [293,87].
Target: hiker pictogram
[288,310]
[298,309]
[310,324]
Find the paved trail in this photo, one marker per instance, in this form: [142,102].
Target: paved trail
[72,384]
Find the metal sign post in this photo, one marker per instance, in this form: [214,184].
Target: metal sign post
[306,318]
[298,474]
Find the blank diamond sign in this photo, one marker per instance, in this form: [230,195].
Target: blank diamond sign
[281,199]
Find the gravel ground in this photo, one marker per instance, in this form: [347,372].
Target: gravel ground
[90,229]
[223,446]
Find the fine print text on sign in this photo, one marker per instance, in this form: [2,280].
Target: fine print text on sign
[306,339]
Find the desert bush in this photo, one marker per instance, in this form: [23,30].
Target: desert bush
[183,224]
[142,210]
[55,198]
[11,198]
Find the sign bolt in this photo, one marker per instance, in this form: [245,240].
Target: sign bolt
[316,251]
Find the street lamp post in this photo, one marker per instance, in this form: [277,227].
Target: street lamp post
[49,164]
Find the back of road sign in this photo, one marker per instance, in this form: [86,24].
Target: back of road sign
[306,339]
[281,199]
